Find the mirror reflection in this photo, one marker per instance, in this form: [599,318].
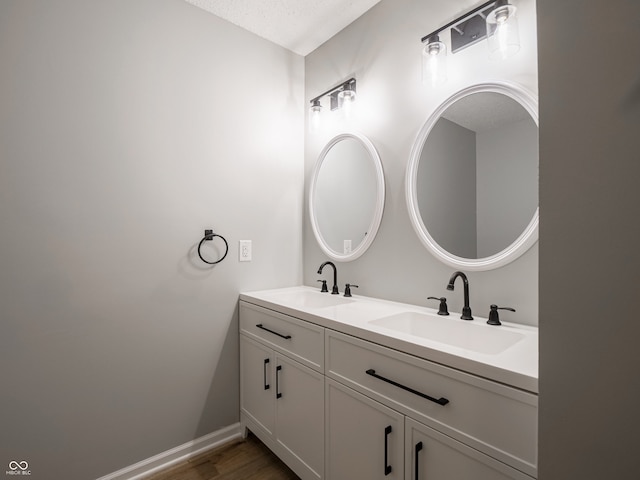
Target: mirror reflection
[477,183]
[472,178]
[346,196]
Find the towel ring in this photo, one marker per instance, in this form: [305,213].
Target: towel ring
[209,235]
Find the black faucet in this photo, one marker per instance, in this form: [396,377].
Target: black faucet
[466,310]
[334,289]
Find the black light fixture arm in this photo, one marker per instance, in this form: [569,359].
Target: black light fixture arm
[336,89]
[459,19]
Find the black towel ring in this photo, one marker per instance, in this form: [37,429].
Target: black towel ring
[209,235]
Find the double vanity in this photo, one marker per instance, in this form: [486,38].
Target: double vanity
[347,387]
[361,388]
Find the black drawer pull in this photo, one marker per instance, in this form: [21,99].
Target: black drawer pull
[264,374]
[417,460]
[387,467]
[286,337]
[439,401]
[278,394]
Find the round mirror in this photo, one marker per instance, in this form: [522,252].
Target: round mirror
[346,196]
[472,178]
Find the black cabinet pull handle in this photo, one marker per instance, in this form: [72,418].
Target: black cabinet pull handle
[278,394]
[286,337]
[417,460]
[387,467]
[264,374]
[439,401]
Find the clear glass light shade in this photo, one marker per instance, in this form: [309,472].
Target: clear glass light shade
[314,116]
[434,62]
[502,31]
[346,99]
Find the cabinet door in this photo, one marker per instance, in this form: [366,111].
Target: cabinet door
[299,393]
[257,383]
[364,439]
[432,455]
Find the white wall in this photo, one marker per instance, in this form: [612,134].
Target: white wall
[126,129]
[589,230]
[382,50]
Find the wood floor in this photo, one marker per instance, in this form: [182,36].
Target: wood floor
[239,460]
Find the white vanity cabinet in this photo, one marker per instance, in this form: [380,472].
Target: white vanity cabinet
[366,439]
[335,402]
[281,399]
[495,422]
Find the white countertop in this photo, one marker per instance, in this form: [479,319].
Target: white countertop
[517,365]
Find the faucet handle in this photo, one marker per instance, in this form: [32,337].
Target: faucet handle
[347,289]
[324,286]
[442,309]
[494,319]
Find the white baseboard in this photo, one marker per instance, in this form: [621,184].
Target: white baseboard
[176,455]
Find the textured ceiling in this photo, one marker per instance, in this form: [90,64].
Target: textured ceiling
[298,25]
[486,111]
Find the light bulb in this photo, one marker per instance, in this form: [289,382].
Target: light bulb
[434,65]
[502,31]
[314,116]
[346,99]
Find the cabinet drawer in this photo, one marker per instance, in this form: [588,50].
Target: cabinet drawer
[498,420]
[300,340]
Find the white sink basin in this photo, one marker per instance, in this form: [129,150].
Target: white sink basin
[480,338]
[307,299]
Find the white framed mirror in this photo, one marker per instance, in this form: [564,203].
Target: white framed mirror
[472,177]
[346,196]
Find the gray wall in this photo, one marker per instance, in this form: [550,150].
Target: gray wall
[589,230]
[449,158]
[507,184]
[126,129]
[382,50]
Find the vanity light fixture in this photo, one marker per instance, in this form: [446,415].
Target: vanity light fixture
[495,20]
[314,115]
[341,96]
